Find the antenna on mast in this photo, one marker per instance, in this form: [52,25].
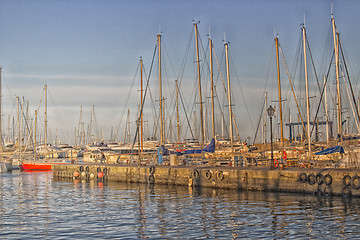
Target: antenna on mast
[332,10]
[304,19]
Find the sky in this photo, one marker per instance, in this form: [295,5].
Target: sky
[87,52]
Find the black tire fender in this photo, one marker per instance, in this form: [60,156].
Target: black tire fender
[303,177]
[327,179]
[355,182]
[311,179]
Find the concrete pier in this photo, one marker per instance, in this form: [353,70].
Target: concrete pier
[345,182]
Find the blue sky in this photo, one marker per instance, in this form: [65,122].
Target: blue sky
[87,51]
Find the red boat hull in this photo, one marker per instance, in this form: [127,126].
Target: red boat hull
[35,166]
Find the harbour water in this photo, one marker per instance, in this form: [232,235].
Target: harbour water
[34,205]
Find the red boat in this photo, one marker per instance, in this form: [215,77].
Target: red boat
[36,166]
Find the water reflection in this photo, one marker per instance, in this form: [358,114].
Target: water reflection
[34,205]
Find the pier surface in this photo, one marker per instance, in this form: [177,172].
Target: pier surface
[326,181]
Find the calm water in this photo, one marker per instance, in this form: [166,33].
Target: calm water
[34,205]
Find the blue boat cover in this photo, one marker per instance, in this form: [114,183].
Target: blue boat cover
[209,148]
[339,149]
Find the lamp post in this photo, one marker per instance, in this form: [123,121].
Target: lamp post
[271,112]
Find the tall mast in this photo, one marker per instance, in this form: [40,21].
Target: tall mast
[279,86]
[35,126]
[18,125]
[141,108]
[177,112]
[45,120]
[265,113]
[200,94]
[326,112]
[336,50]
[162,132]
[229,96]
[307,93]
[212,89]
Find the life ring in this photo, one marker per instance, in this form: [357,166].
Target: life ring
[152,169]
[319,178]
[346,180]
[355,182]
[220,175]
[327,179]
[196,174]
[81,168]
[98,169]
[151,179]
[105,171]
[276,163]
[303,177]
[208,175]
[311,179]
[87,169]
[346,191]
[328,190]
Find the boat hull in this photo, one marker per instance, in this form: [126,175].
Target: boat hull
[35,166]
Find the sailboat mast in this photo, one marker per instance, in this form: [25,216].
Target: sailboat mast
[307,93]
[326,112]
[200,94]
[212,89]
[279,87]
[265,114]
[141,102]
[162,134]
[177,112]
[229,96]
[45,120]
[336,49]
[18,125]
[35,128]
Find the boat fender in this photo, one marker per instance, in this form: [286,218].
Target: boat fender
[319,178]
[87,176]
[83,174]
[92,175]
[208,175]
[87,169]
[98,169]
[220,175]
[152,169]
[196,174]
[100,174]
[327,179]
[355,182]
[346,180]
[151,179]
[303,177]
[76,174]
[81,168]
[346,191]
[311,179]
[328,190]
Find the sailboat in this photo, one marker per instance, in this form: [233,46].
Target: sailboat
[36,164]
